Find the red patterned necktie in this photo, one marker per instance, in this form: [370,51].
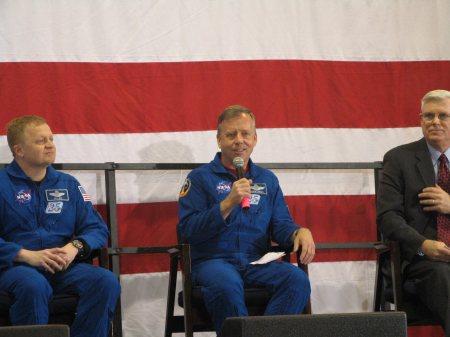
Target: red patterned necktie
[443,220]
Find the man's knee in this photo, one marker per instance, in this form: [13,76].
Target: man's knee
[297,279]
[231,288]
[107,282]
[440,274]
[31,285]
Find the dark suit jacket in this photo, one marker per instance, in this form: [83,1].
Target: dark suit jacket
[407,169]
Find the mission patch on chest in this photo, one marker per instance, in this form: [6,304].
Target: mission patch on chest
[259,188]
[60,194]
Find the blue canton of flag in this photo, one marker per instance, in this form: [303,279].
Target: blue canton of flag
[86,197]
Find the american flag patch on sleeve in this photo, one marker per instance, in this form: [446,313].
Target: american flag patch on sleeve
[86,197]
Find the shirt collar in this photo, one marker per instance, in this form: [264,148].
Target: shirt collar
[13,169]
[435,154]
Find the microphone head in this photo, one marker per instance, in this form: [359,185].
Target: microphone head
[238,162]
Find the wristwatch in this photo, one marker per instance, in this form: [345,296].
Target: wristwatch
[78,244]
[420,252]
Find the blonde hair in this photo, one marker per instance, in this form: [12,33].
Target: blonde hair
[16,127]
[231,112]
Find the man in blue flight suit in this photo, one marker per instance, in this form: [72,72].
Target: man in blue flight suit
[47,226]
[225,238]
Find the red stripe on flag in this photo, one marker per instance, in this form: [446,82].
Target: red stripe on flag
[428,331]
[186,96]
[331,219]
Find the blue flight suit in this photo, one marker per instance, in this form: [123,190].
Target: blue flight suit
[49,214]
[223,249]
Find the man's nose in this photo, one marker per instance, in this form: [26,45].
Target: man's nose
[436,119]
[239,138]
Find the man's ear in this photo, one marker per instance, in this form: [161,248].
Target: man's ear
[18,151]
[218,141]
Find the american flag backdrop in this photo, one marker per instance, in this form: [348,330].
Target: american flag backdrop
[143,81]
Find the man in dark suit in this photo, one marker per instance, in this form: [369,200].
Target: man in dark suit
[413,205]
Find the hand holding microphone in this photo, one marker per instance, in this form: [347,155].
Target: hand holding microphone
[240,191]
[238,164]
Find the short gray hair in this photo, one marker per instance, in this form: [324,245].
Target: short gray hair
[435,96]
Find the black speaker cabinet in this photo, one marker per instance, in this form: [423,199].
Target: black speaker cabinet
[35,331]
[374,324]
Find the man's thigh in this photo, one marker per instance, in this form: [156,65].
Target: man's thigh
[274,274]
[79,277]
[22,276]
[428,271]
[216,273]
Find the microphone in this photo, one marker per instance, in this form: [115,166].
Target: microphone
[238,164]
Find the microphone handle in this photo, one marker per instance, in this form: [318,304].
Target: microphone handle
[245,202]
[240,172]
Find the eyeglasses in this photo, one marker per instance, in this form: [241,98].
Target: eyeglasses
[430,116]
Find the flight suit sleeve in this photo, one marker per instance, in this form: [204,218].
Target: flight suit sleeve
[282,225]
[199,213]
[90,226]
[8,250]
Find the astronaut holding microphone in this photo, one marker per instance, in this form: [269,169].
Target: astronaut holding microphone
[229,211]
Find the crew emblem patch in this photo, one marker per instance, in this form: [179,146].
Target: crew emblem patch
[185,189]
[254,200]
[54,207]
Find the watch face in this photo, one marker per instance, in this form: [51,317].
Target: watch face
[77,244]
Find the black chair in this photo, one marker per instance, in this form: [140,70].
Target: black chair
[62,307]
[392,293]
[196,317]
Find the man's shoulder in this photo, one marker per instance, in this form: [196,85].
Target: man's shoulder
[263,173]
[3,174]
[407,149]
[201,170]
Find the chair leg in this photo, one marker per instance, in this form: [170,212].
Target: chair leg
[117,320]
[171,293]
[378,288]
[187,287]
